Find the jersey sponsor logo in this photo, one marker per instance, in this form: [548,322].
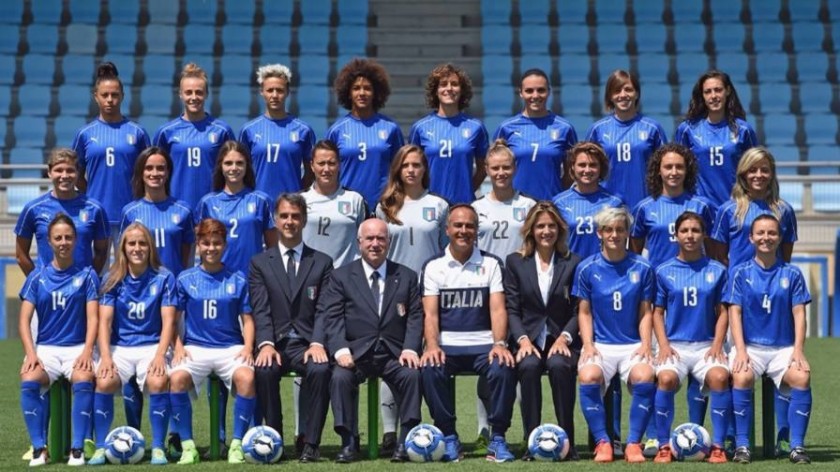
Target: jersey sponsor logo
[519,214]
[383,135]
[464,298]
[230,289]
[643,135]
[634,276]
[213,137]
[252,207]
[293,136]
[131,139]
[344,207]
[312,292]
[785,282]
[429,213]
[465,133]
[401,309]
[555,134]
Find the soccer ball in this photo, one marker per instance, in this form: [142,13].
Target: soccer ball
[262,445]
[124,445]
[548,442]
[424,443]
[690,442]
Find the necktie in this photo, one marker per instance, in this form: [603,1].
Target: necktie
[291,268]
[374,289]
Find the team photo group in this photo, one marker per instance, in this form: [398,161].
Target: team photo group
[165,260]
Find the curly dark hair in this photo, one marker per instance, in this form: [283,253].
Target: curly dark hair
[441,72]
[697,106]
[654,180]
[369,69]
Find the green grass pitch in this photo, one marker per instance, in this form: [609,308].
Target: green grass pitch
[823,437]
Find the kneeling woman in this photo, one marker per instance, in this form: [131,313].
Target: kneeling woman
[136,324]
[218,338]
[66,298]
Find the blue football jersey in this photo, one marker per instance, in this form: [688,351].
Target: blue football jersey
[727,230]
[171,225]
[654,220]
[614,291]
[107,153]
[767,297]
[87,214]
[137,306]
[690,293]
[365,149]
[246,215]
[539,146]
[578,211]
[278,150]
[629,145]
[452,146]
[211,306]
[193,147]
[60,298]
[718,150]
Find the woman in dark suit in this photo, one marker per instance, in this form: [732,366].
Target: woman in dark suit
[542,317]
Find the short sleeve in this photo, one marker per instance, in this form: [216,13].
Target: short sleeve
[720,230]
[169,294]
[92,286]
[581,288]
[799,291]
[649,285]
[661,291]
[29,291]
[495,281]
[482,143]
[639,229]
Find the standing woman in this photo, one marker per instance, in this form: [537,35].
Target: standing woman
[218,337]
[366,140]
[588,167]
[64,293]
[454,142]
[333,213]
[542,316]
[89,218]
[108,148]
[136,328]
[716,131]
[193,139]
[628,137]
[416,218]
[279,143]
[538,138]
[502,211]
[245,212]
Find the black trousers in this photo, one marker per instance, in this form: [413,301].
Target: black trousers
[562,371]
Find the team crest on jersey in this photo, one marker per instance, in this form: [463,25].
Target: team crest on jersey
[785,282]
[83,215]
[465,132]
[293,136]
[429,213]
[131,139]
[479,269]
[555,134]
[733,136]
[77,281]
[213,137]
[312,292]
[153,290]
[252,207]
[344,207]
[519,214]
[383,135]
[634,276]
[230,289]
[643,135]
[176,219]
[401,309]
[710,277]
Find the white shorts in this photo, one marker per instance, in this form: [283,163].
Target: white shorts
[58,360]
[615,358]
[203,361]
[772,361]
[692,360]
[134,360]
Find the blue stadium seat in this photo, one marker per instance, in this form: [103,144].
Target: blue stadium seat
[351,39]
[493,12]
[8,66]
[815,97]
[580,122]
[768,38]
[610,11]
[160,39]
[686,13]
[316,12]
[689,37]
[691,66]
[611,39]
[278,12]
[745,94]
[684,95]
[121,38]
[573,38]
[84,11]
[23,194]
[80,70]
[805,10]
[725,11]
[571,13]
[46,12]
[576,99]
[235,100]
[9,42]
[791,192]
[497,99]
[11,12]
[318,124]
[30,131]
[574,68]
[771,67]
[534,12]
[38,69]
[765,11]
[735,64]
[42,39]
[66,126]
[656,97]
[314,99]
[81,39]
[237,70]
[779,129]
[157,99]
[240,13]
[75,100]
[808,37]
[535,61]
[818,153]
[151,123]
[275,40]
[812,67]
[27,155]
[492,122]
[535,39]
[199,39]
[822,129]
[729,38]
[666,120]
[775,98]
[314,70]
[202,11]
[159,69]
[125,13]
[497,69]
[607,63]
[353,12]
[651,39]
[236,122]
[648,12]
[826,196]
[653,68]
[237,39]
[5,101]
[163,12]
[314,39]
[496,39]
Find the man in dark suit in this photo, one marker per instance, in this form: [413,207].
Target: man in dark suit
[375,324]
[285,284]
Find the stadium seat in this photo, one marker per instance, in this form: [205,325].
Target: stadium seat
[278,12]
[314,70]
[84,11]
[240,13]
[28,156]
[571,13]
[779,130]
[75,100]
[574,68]
[235,100]
[313,99]
[5,101]
[497,99]
[729,38]
[819,153]
[653,68]
[666,120]
[651,39]
[9,43]
[690,67]
[580,122]
[319,124]
[573,38]
[121,38]
[202,11]
[535,61]
[775,98]
[30,131]
[576,99]
[610,11]
[38,69]
[11,13]
[805,10]
[822,129]
[80,70]
[493,12]
[648,12]
[316,12]
[808,37]
[689,38]
[66,126]
[81,39]
[198,40]
[791,192]
[826,196]
[612,39]
[535,39]
[815,97]
[354,12]
[771,67]
[492,122]
[42,39]
[163,12]
[768,38]
[152,123]
[275,40]
[811,67]
[607,63]
[497,70]
[237,70]
[725,11]
[237,39]
[8,66]
[736,64]
[125,13]
[351,39]
[46,12]
[22,194]
[765,11]
[159,69]
[160,39]
[534,12]
[496,39]
[686,13]
[236,122]
[157,99]
[656,98]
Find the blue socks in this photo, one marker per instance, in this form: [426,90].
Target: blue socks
[641,407]
[182,414]
[243,413]
[799,415]
[32,405]
[103,416]
[159,418]
[697,402]
[721,413]
[742,410]
[133,403]
[82,411]
[781,405]
[664,404]
[592,404]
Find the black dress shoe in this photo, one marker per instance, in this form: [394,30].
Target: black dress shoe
[310,453]
[389,444]
[347,455]
[300,443]
[572,455]
[527,457]
[400,454]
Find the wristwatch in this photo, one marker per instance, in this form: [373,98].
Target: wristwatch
[503,344]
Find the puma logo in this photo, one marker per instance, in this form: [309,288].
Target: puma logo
[740,413]
[159,413]
[720,413]
[645,407]
[593,408]
[33,412]
[806,414]
[103,413]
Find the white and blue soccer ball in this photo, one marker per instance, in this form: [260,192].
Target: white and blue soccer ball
[690,442]
[124,445]
[424,443]
[548,442]
[262,445]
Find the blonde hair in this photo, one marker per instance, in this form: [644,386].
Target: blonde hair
[529,242]
[500,148]
[119,269]
[610,215]
[273,70]
[193,71]
[62,155]
[740,193]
